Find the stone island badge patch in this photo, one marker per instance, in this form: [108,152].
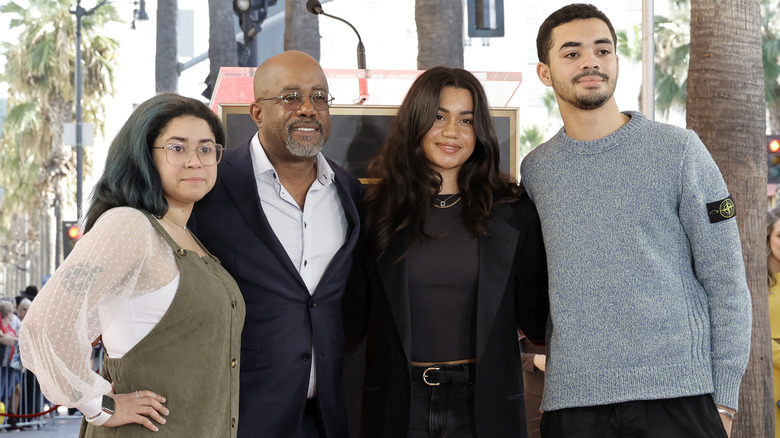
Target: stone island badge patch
[721,210]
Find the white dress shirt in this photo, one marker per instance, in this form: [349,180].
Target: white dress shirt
[312,236]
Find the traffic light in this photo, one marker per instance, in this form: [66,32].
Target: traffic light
[773,159]
[251,14]
[71,233]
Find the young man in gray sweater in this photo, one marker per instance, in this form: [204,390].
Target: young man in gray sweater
[650,309]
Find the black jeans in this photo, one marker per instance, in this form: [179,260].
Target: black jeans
[684,417]
[445,410]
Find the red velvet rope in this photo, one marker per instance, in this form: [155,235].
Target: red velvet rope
[38,414]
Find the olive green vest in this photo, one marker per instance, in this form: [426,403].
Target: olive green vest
[191,357]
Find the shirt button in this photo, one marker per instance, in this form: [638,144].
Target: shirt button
[233,303]
[233,422]
[233,363]
[305,263]
[306,356]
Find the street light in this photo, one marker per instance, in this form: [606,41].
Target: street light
[139,13]
[80,12]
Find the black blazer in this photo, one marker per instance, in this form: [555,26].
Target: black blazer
[282,320]
[511,293]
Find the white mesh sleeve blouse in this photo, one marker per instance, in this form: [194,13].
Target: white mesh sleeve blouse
[122,258]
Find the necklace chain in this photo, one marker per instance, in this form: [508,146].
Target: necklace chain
[442,203]
[183,227]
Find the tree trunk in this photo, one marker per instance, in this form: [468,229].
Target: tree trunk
[222,40]
[439,33]
[301,29]
[774,117]
[166,63]
[725,106]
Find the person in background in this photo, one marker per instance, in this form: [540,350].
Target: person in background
[650,312]
[283,219]
[773,277]
[453,264]
[9,377]
[169,316]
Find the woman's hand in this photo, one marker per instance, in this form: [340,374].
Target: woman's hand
[138,407]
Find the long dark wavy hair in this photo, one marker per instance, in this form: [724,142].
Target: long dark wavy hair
[130,178]
[406,184]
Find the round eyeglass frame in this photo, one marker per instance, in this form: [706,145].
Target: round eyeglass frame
[289,106]
[218,147]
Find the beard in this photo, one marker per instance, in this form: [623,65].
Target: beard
[308,149]
[588,100]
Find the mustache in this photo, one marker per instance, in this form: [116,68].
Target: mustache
[304,121]
[590,73]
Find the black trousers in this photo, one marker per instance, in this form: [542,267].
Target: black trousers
[311,424]
[445,410]
[684,417]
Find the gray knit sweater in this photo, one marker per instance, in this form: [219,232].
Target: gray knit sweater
[648,297]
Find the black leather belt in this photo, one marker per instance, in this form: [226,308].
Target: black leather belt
[435,375]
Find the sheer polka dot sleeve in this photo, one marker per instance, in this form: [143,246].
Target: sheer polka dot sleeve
[120,258]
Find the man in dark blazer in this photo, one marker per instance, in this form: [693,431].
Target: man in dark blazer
[283,221]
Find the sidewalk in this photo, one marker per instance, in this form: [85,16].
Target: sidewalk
[57,427]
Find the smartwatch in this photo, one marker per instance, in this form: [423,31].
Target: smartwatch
[107,408]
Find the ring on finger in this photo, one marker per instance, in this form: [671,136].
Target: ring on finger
[137,395]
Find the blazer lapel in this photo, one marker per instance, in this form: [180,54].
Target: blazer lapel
[496,256]
[353,229]
[393,276]
[238,178]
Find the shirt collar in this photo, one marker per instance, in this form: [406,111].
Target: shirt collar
[262,164]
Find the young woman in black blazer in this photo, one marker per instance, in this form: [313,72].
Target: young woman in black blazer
[453,264]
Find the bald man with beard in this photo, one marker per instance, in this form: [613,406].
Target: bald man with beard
[283,220]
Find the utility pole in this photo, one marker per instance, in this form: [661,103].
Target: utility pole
[80,12]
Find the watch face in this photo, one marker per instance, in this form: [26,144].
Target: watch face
[109,405]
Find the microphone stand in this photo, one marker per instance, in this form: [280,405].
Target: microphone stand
[315,8]
[361,50]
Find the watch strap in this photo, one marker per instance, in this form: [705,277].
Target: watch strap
[100,419]
[108,405]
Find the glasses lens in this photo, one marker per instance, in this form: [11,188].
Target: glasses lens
[176,154]
[320,100]
[209,155]
[293,100]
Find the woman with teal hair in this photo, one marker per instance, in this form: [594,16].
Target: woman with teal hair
[169,316]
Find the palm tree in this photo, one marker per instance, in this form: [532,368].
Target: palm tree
[726,107]
[770,23]
[222,40]
[39,71]
[672,39]
[439,33]
[166,63]
[672,45]
[301,29]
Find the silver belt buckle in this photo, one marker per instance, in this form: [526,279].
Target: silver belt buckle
[425,376]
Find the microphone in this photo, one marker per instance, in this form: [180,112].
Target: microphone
[315,8]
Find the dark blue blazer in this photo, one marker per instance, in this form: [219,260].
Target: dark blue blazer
[283,320]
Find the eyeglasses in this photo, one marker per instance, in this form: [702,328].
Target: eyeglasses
[178,154]
[293,100]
